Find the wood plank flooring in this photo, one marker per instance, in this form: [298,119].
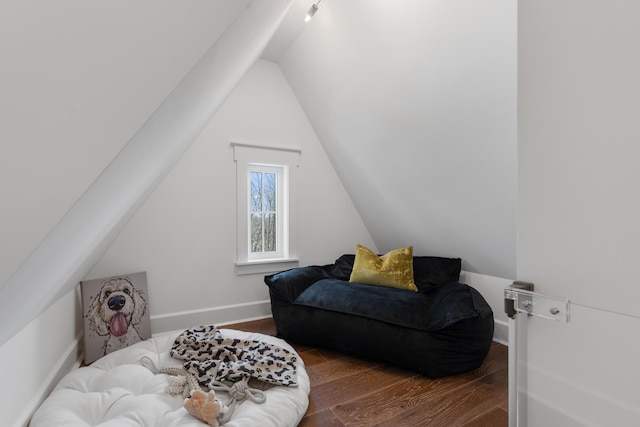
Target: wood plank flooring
[349,391]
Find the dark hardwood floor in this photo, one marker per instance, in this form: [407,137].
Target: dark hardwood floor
[349,391]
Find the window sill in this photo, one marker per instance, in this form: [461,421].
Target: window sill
[265,266]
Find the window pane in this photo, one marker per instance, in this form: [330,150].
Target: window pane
[256,232]
[269,192]
[263,211]
[270,232]
[256,192]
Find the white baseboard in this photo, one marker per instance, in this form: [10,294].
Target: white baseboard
[218,316]
[245,312]
[501,332]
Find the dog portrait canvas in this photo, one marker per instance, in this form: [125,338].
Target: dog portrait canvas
[115,312]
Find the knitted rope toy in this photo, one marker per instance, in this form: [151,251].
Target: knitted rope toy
[238,392]
[180,381]
[204,405]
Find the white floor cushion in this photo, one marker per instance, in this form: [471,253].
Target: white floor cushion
[117,390]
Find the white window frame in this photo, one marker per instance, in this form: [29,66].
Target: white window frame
[282,202]
[248,157]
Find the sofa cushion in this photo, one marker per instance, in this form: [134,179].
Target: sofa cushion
[428,311]
[428,271]
[287,285]
[394,269]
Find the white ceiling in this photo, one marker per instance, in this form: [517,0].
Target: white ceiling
[289,30]
[415,106]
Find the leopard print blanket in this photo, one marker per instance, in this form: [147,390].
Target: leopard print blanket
[211,358]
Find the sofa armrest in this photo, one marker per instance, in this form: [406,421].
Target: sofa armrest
[285,286]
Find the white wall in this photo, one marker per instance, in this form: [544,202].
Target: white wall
[69,103]
[416,108]
[78,80]
[579,204]
[74,91]
[34,360]
[184,236]
[83,235]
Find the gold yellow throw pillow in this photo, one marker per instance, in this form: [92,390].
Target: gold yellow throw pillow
[394,269]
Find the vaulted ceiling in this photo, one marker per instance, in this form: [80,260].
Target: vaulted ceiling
[415,104]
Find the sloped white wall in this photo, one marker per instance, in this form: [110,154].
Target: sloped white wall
[579,204]
[184,236]
[34,360]
[78,79]
[76,35]
[415,104]
[85,232]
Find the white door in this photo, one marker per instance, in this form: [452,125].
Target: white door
[572,365]
[579,209]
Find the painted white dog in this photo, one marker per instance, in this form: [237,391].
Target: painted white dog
[115,312]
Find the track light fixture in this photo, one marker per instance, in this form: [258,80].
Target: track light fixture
[312,11]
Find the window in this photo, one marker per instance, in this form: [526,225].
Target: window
[266,211]
[266,208]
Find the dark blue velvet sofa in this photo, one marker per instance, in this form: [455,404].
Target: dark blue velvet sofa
[443,329]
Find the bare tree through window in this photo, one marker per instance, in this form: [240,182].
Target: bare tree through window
[263,211]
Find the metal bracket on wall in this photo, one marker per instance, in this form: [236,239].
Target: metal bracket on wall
[520,298]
